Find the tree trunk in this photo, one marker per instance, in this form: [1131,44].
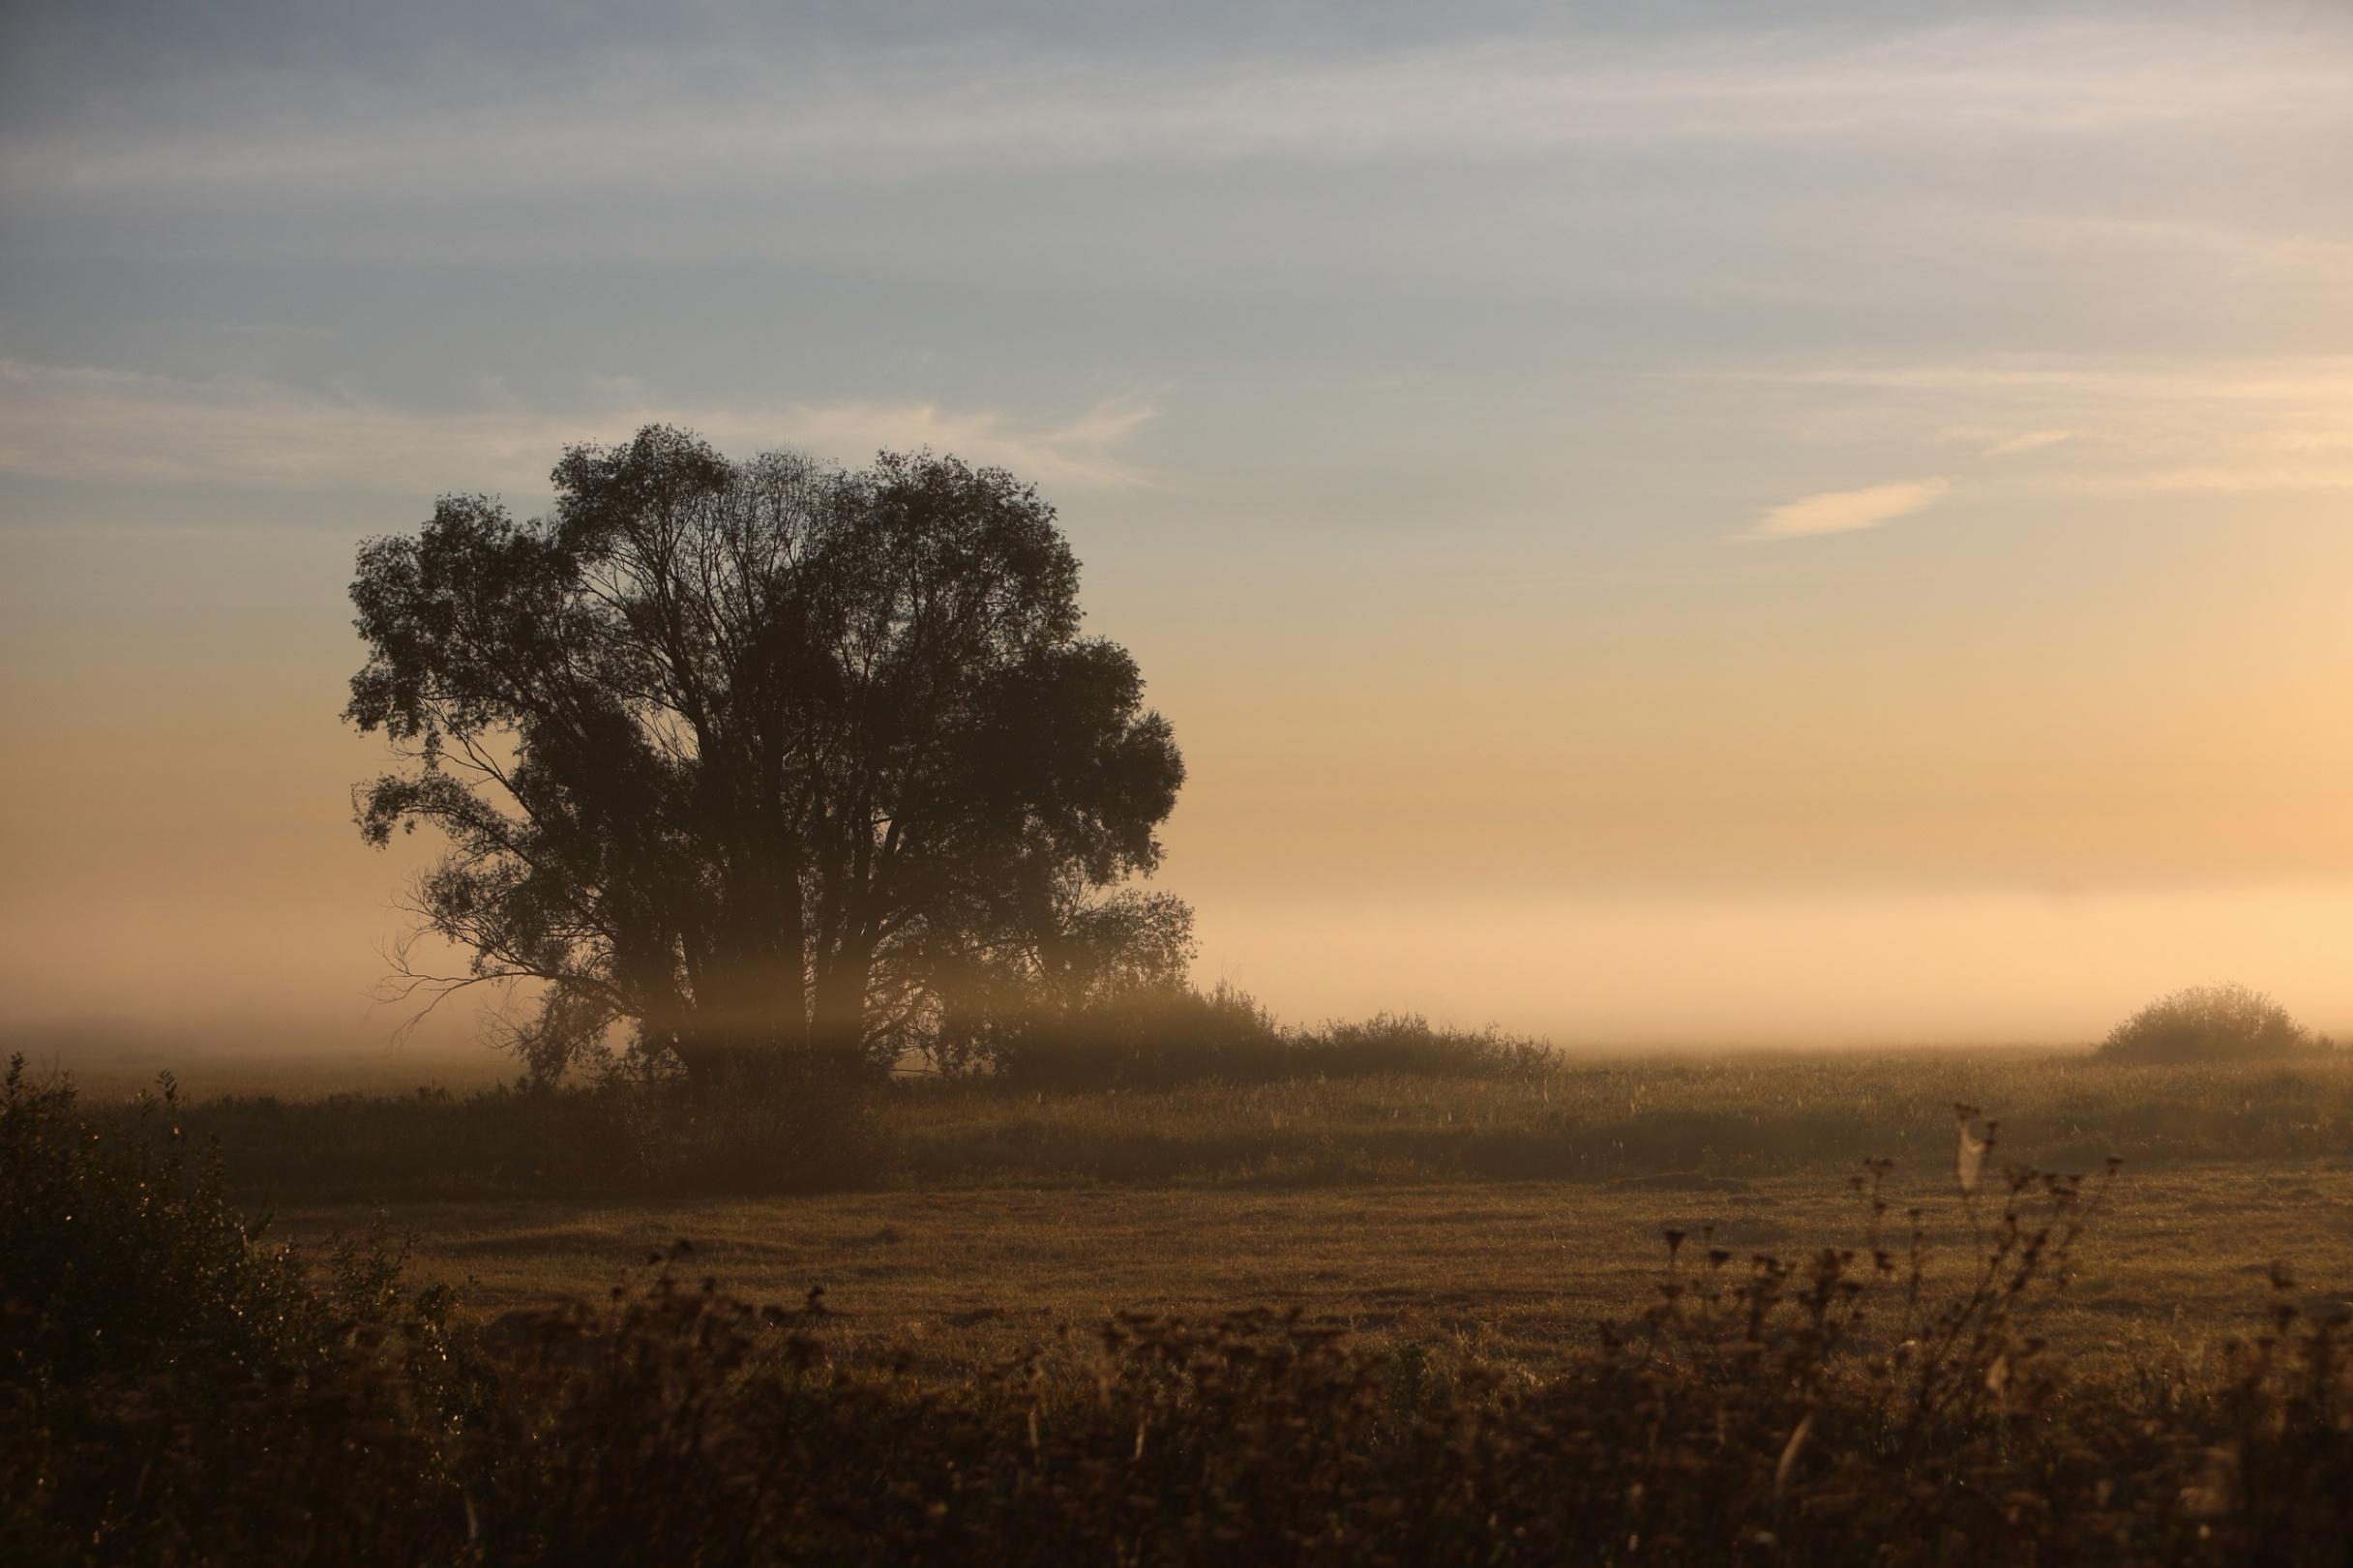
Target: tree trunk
[837,1022]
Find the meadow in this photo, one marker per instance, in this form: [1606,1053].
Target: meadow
[1513,1273]
[1503,1212]
[1688,1309]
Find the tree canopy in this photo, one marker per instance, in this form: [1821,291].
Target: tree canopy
[762,756]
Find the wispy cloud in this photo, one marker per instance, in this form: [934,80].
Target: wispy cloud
[76,423]
[716,117]
[2025,441]
[2118,425]
[1846,512]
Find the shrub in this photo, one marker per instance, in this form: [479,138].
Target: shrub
[168,1376]
[122,1250]
[1409,1043]
[2207,1024]
[1145,1039]
[1165,1038]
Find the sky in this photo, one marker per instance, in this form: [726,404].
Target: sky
[1701,524]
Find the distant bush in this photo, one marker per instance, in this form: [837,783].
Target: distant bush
[2206,1023]
[1141,1038]
[1166,1039]
[1408,1043]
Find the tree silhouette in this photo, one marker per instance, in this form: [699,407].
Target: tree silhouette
[756,757]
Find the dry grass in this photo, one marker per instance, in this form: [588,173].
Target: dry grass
[1433,1211]
[1590,1120]
[127,1072]
[1519,1272]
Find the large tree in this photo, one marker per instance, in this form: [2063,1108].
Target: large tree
[760,757]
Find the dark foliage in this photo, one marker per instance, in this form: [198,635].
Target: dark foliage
[156,1347]
[753,757]
[123,1257]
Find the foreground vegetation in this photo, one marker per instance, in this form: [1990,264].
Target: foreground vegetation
[177,1389]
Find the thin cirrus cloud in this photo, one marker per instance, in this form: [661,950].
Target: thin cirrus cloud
[883,112]
[1846,512]
[77,423]
[2109,426]
[2011,446]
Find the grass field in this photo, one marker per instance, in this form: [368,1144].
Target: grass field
[1198,1322]
[1454,1214]
[1506,1215]
[1516,1271]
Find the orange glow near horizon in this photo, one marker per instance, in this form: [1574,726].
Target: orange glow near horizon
[1606,832]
